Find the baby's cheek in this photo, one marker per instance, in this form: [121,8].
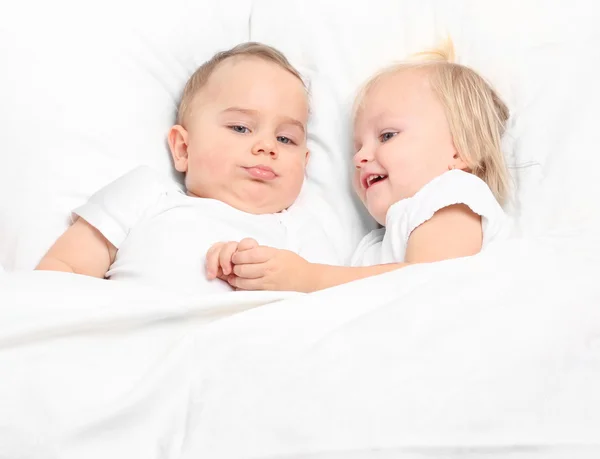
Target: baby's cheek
[356,184]
[298,176]
[212,165]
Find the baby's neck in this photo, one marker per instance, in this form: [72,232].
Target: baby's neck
[241,206]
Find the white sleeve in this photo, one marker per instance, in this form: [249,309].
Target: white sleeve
[453,187]
[119,206]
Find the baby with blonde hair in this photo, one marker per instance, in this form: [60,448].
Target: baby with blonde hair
[428,168]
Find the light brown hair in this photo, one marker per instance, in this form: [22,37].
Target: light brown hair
[200,77]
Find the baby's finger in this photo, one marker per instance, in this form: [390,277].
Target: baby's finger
[212,261]
[240,283]
[259,254]
[250,271]
[225,257]
[247,244]
[221,276]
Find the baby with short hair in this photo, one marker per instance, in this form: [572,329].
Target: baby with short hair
[428,168]
[240,139]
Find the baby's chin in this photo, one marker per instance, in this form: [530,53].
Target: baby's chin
[265,201]
[378,213]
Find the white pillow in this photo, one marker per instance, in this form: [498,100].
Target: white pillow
[88,91]
[532,52]
[543,58]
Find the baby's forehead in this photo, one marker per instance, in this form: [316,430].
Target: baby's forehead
[240,75]
[383,91]
[400,79]
[245,68]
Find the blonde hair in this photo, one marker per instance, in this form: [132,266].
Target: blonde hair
[200,77]
[476,115]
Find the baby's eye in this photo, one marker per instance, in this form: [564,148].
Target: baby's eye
[285,140]
[239,129]
[387,136]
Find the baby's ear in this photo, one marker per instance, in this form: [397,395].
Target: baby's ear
[178,144]
[459,163]
[306,158]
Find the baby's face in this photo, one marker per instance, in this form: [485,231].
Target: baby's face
[402,141]
[246,137]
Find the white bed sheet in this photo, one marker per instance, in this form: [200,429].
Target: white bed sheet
[492,354]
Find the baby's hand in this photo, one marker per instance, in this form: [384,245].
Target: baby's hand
[266,268]
[218,257]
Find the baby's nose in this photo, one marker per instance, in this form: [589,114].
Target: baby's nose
[360,159]
[264,146]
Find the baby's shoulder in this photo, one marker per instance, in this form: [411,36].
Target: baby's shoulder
[451,188]
[140,183]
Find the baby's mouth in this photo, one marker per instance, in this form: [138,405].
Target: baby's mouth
[261,172]
[373,179]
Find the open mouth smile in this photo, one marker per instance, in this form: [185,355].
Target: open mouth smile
[369,180]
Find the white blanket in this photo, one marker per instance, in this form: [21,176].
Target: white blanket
[496,354]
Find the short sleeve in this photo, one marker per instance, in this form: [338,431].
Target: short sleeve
[452,187]
[119,206]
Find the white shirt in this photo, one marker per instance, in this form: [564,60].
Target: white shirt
[162,235]
[388,245]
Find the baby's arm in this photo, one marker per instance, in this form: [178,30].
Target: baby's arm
[267,268]
[454,231]
[325,276]
[82,249]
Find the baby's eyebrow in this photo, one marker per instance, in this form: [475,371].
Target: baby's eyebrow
[285,119]
[246,111]
[294,121]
